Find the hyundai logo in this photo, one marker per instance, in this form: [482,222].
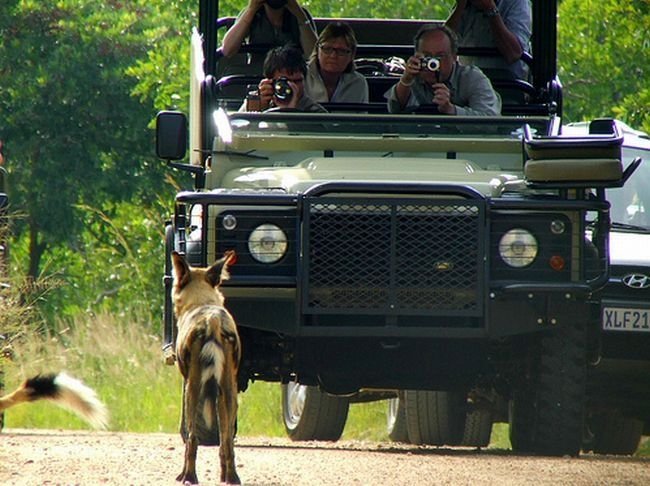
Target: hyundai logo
[637,281]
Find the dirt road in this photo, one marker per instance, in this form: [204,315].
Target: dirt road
[37,457]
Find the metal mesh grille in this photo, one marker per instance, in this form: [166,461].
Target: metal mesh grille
[393,256]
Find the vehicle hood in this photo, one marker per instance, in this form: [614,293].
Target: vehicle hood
[314,171]
[629,248]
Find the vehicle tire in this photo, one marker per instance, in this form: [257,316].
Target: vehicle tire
[547,413]
[521,421]
[311,414]
[396,419]
[615,434]
[435,417]
[478,428]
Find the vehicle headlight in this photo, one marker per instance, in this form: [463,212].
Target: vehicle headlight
[267,243]
[518,248]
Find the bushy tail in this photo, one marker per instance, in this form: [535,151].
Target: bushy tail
[212,361]
[65,391]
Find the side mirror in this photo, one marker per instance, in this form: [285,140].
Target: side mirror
[171,135]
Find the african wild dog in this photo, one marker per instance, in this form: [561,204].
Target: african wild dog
[208,353]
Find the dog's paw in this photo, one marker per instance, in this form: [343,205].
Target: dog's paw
[187,478]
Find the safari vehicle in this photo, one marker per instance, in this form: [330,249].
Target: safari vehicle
[440,258]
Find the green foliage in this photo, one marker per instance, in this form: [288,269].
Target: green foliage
[117,357]
[644,447]
[162,75]
[604,59]
[73,133]
[360,9]
[381,9]
[116,264]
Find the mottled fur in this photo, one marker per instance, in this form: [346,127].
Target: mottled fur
[63,390]
[207,353]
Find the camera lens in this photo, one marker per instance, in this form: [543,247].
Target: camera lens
[282,89]
[430,63]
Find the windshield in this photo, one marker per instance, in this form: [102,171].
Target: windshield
[416,126]
[490,143]
[631,203]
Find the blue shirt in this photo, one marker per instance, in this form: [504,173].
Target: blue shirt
[474,31]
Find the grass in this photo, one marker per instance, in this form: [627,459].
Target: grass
[123,363]
[116,358]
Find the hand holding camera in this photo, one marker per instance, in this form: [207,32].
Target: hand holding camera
[428,69]
[417,65]
[282,89]
[430,63]
[279,92]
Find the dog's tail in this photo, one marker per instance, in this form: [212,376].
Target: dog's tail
[218,357]
[64,390]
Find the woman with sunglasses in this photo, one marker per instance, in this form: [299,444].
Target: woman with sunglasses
[331,75]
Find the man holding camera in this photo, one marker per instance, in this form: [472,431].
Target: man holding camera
[283,86]
[435,82]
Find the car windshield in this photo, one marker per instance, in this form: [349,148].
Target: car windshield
[332,135]
[630,204]
[419,126]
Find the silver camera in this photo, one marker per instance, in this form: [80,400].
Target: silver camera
[430,64]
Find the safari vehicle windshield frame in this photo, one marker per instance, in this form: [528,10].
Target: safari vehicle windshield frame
[263,135]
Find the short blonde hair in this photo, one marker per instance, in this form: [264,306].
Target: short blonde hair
[336,30]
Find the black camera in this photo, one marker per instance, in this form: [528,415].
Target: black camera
[430,64]
[282,90]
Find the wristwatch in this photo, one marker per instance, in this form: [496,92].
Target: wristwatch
[493,12]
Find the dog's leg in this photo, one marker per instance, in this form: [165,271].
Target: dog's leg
[190,407]
[227,407]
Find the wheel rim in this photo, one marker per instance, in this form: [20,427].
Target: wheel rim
[295,401]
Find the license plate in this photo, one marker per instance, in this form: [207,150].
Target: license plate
[626,319]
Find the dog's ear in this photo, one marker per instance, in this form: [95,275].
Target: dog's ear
[181,270]
[218,272]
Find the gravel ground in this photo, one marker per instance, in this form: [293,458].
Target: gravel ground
[39,457]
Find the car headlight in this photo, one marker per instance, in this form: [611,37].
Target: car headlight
[267,243]
[518,248]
